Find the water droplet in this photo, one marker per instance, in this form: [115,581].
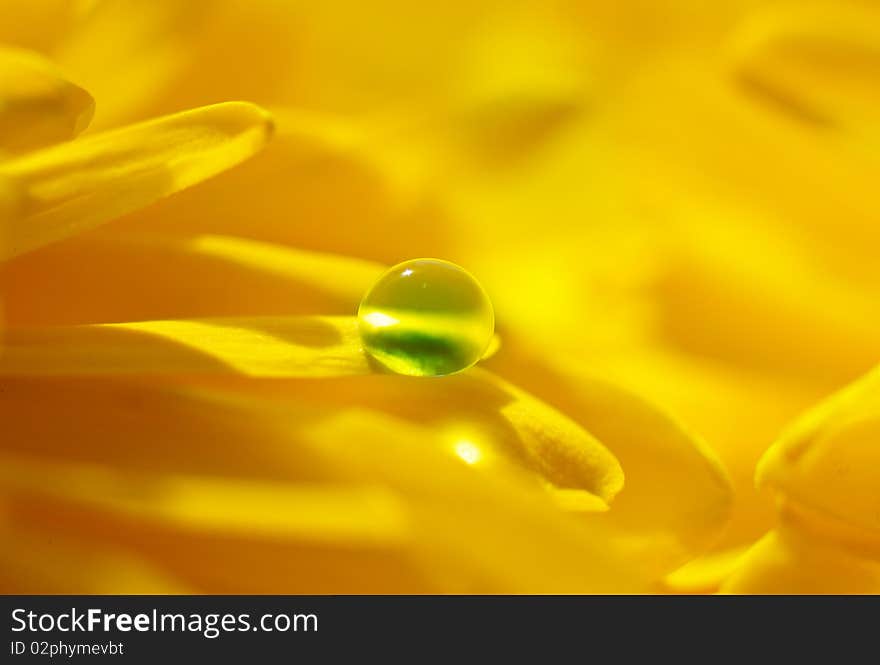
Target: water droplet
[426,317]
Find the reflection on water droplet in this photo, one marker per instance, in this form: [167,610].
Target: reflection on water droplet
[426,317]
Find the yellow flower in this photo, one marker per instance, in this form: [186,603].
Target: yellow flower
[675,227]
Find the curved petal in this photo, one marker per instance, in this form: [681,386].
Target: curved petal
[711,398]
[677,497]
[483,421]
[569,457]
[829,460]
[500,532]
[705,574]
[807,554]
[71,188]
[38,106]
[826,470]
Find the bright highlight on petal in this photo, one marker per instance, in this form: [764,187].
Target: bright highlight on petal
[468,451]
[38,106]
[510,426]
[71,188]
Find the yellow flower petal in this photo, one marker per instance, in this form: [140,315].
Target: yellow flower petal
[285,347]
[37,105]
[269,346]
[248,424]
[677,496]
[570,457]
[343,514]
[68,189]
[825,470]
[47,561]
[150,495]
[163,429]
[522,519]
[483,420]
[679,310]
[322,186]
[125,51]
[752,161]
[807,554]
[705,574]
[261,346]
[711,398]
[829,461]
[177,276]
[172,528]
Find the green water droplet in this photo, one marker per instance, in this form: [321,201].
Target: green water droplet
[426,317]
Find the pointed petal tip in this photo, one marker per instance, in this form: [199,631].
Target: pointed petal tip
[39,105]
[242,113]
[86,105]
[72,187]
